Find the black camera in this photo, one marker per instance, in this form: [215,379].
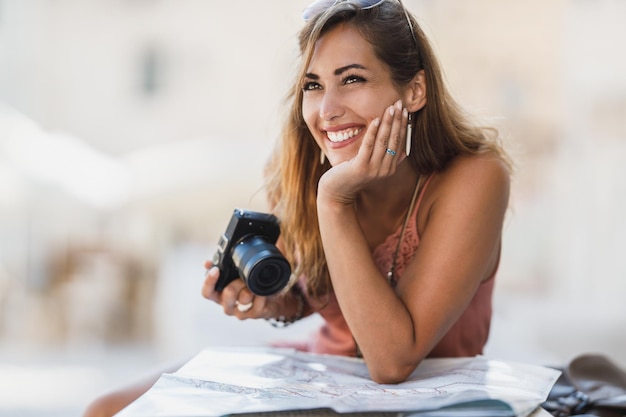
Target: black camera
[247,250]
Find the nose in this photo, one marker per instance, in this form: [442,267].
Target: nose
[331,106]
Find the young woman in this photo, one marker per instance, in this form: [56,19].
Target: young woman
[391,201]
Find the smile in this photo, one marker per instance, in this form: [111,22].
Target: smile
[342,135]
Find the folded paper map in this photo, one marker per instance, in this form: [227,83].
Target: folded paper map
[282,382]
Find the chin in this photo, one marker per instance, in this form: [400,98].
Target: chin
[334,161]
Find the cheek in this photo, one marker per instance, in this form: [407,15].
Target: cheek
[309,114]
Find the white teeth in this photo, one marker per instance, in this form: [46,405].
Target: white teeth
[343,135]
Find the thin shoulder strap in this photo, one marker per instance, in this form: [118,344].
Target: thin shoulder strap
[404,225]
[423,190]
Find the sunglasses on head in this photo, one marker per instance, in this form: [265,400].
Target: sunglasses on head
[320,6]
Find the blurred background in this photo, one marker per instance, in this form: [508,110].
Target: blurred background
[130,130]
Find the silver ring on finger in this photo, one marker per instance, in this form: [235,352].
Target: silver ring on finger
[244,308]
[391,152]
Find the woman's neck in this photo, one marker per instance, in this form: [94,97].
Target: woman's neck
[382,207]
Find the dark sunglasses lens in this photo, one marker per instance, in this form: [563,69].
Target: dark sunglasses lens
[316,8]
[320,6]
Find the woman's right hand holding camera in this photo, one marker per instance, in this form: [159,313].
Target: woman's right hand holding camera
[236,299]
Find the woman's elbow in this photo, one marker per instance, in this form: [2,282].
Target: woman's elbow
[392,374]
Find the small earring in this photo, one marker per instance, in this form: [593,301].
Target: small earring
[322,157]
[409,135]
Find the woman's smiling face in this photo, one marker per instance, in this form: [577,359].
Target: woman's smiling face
[346,87]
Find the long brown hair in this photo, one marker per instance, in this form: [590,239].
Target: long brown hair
[441,130]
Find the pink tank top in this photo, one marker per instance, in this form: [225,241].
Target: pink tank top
[466,337]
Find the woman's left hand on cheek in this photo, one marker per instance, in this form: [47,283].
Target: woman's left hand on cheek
[379,154]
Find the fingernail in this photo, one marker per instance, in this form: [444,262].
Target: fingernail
[392,110]
[405,113]
[399,104]
[376,122]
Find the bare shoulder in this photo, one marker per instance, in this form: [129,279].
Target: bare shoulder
[470,183]
[477,170]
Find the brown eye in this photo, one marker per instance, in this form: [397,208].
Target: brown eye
[351,79]
[311,85]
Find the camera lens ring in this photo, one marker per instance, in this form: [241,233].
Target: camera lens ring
[267,276]
[261,265]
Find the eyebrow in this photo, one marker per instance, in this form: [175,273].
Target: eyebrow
[338,71]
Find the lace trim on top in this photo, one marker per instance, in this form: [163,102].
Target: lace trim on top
[383,254]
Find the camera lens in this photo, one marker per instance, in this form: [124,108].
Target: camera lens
[261,265]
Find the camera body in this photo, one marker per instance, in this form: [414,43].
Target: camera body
[247,250]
